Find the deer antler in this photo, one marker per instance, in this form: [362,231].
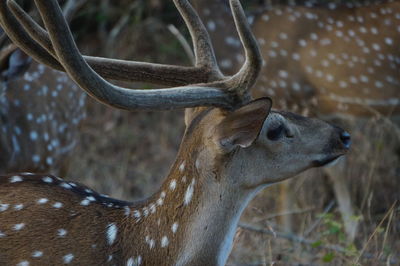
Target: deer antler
[220,91]
[250,70]
[18,35]
[203,50]
[35,36]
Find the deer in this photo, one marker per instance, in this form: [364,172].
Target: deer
[41,110]
[37,102]
[233,147]
[335,60]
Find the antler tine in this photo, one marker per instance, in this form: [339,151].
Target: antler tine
[35,31]
[130,71]
[122,98]
[203,49]
[17,34]
[247,75]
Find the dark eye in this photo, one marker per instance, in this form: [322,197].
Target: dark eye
[276,133]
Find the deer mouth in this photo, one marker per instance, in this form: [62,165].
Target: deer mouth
[328,161]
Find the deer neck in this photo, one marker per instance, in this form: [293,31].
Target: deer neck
[212,221]
[191,220]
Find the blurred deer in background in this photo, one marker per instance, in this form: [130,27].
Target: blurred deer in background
[232,148]
[40,112]
[334,60]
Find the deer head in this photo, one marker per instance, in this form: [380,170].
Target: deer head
[244,145]
[233,146]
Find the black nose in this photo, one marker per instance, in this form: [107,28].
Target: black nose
[346,139]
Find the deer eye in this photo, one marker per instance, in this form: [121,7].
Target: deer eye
[276,133]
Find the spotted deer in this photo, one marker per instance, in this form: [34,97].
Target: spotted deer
[333,59]
[40,111]
[232,148]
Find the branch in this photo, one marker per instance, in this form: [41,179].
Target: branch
[183,42]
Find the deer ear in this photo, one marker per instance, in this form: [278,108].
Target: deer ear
[14,64]
[242,127]
[191,113]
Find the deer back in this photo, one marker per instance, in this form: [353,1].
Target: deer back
[40,114]
[320,58]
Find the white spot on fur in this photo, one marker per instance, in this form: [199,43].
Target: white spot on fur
[68,258]
[4,207]
[127,211]
[160,201]
[57,205]
[42,201]
[172,185]
[61,232]
[145,211]
[152,208]
[85,202]
[197,164]
[164,241]
[18,207]
[211,25]
[36,158]
[388,41]
[15,179]
[136,214]
[129,262]
[65,185]
[189,193]
[33,135]
[152,243]
[111,233]
[134,262]
[18,227]
[23,263]
[47,179]
[2,234]
[182,166]
[37,254]
[110,257]
[90,198]
[174,227]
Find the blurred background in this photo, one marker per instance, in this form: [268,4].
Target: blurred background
[336,60]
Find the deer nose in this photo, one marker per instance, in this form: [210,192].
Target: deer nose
[346,139]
